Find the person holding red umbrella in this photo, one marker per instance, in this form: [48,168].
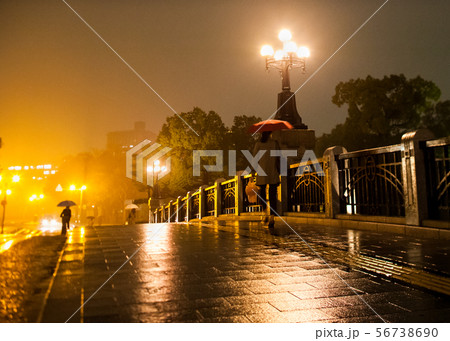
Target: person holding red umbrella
[269,164]
[271,179]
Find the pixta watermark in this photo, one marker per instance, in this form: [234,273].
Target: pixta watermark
[308,161]
[147,162]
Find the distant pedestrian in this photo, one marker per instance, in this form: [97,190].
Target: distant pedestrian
[270,165]
[132,217]
[66,214]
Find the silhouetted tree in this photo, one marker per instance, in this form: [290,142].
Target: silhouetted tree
[196,130]
[380,111]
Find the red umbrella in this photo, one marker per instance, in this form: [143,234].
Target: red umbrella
[269,125]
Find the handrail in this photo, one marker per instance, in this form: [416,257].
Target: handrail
[372,185]
[228,181]
[305,163]
[372,151]
[439,142]
[210,188]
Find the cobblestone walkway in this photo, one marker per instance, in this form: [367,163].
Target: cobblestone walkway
[211,273]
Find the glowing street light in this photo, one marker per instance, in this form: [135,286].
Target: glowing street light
[81,189]
[6,191]
[155,169]
[36,197]
[289,57]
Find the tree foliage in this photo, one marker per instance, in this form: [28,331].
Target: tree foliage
[194,130]
[239,139]
[380,111]
[212,135]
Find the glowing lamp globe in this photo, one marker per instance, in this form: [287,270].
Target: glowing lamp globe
[303,52]
[290,47]
[266,51]
[285,35]
[279,55]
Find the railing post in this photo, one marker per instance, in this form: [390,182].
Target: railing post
[202,202]
[169,212]
[238,195]
[188,206]
[177,207]
[282,195]
[414,176]
[219,197]
[331,170]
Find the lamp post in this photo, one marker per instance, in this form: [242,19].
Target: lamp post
[290,57]
[6,192]
[36,198]
[155,169]
[81,189]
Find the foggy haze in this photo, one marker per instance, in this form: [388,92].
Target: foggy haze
[62,89]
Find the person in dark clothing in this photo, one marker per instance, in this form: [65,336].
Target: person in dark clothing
[66,214]
[132,217]
[269,165]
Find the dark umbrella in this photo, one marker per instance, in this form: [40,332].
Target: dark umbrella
[269,125]
[66,203]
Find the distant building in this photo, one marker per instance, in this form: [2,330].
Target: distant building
[121,141]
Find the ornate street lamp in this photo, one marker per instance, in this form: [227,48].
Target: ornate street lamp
[290,57]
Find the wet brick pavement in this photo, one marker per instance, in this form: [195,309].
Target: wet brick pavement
[25,272]
[228,272]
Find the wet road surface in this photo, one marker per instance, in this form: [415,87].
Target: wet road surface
[239,272]
[26,268]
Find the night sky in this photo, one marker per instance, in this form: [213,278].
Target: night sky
[62,89]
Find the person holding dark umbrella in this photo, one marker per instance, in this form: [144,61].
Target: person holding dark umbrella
[66,214]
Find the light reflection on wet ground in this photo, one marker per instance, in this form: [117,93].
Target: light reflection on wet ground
[359,250]
[226,273]
[429,254]
[25,271]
